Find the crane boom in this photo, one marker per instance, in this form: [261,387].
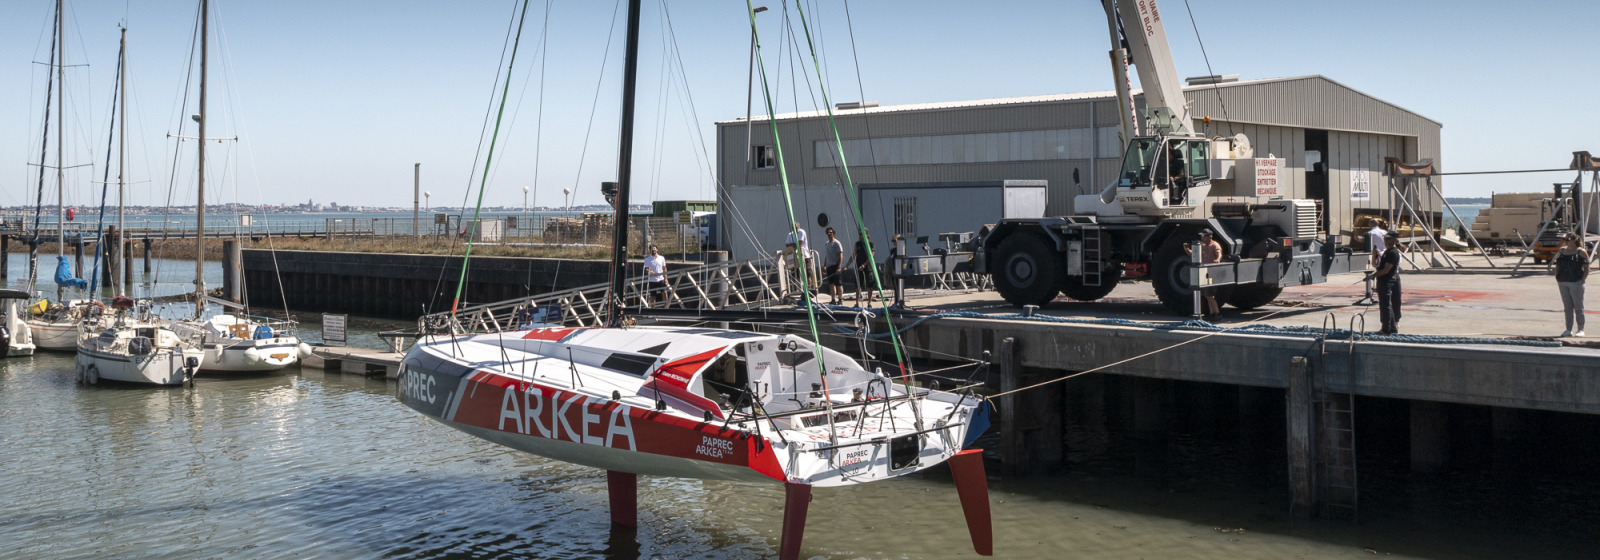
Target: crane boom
[1166,111]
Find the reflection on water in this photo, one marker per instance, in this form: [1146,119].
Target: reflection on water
[314,465]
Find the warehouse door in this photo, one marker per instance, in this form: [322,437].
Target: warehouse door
[1316,162]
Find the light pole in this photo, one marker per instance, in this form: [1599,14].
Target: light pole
[525,210]
[427,205]
[566,195]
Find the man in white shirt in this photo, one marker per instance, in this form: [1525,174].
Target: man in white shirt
[797,239]
[655,269]
[1377,235]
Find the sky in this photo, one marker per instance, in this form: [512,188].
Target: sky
[335,100]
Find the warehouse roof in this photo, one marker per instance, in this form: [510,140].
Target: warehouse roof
[1314,80]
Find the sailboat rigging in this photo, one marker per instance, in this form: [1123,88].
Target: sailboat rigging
[54,325]
[133,345]
[688,402]
[233,343]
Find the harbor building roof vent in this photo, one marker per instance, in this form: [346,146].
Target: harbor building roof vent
[1212,79]
[865,104]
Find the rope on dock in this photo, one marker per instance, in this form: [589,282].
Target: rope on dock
[1199,325]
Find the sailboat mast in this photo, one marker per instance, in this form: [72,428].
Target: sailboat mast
[122,154]
[200,206]
[61,102]
[619,250]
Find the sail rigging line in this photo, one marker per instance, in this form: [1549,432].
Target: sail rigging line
[583,153]
[788,203]
[538,126]
[44,149]
[105,181]
[861,90]
[488,160]
[703,155]
[853,201]
[472,170]
[177,155]
[1215,87]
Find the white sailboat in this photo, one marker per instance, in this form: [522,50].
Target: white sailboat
[692,402]
[15,336]
[54,325]
[233,343]
[132,344]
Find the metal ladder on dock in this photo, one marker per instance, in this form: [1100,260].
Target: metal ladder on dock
[1339,454]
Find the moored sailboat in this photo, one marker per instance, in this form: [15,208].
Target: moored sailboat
[233,343]
[690,402]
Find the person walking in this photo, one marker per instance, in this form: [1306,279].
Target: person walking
[1572,269]
[655,269]
[832,261]
[1387,280]
[1210,252]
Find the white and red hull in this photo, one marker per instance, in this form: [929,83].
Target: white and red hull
[549,392]
[59,336]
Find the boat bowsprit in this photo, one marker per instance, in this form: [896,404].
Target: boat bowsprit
[686,402]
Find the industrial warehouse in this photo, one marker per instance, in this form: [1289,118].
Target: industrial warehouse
[1333,139]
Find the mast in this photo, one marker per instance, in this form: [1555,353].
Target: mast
[200,206]
[61,175]
[122,155]
[619,250]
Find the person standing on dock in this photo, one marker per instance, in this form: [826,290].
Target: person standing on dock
[1387,280]
[655,269]
[1376,236]
[832,262]
[1210,252]
[1572,269]
[859,257]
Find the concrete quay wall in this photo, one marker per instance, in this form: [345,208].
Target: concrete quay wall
[1553,379]
[400,286]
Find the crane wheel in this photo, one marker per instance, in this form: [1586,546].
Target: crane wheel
[1073,286]
[1028,270]
[1251,296]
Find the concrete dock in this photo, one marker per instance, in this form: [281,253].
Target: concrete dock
[1323,382]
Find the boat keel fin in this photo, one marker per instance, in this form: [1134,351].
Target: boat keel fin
[973,488]
[796,498]
[624,490]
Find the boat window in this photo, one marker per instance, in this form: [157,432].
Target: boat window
[727,381]
[632,364]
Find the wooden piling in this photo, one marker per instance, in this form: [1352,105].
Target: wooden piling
[5,256]
[1013,451]
[77,253]
[111,246]
[127,262]
[1300,422]
[147,255]
[230,268]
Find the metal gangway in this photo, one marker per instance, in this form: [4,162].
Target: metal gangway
[730,285]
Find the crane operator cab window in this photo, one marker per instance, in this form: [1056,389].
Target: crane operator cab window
[1171,164]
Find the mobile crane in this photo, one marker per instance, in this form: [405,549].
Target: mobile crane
[1136,227]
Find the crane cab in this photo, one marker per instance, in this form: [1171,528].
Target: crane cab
[1161,176]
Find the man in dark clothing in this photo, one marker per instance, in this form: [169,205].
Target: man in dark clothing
[1386,280]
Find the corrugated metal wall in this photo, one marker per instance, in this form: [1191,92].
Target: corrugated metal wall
[1273,113]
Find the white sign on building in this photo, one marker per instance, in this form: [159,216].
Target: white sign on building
[1360,184]
[1267,175]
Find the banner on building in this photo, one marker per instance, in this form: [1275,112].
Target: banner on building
[1267,174]
[1360,184]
